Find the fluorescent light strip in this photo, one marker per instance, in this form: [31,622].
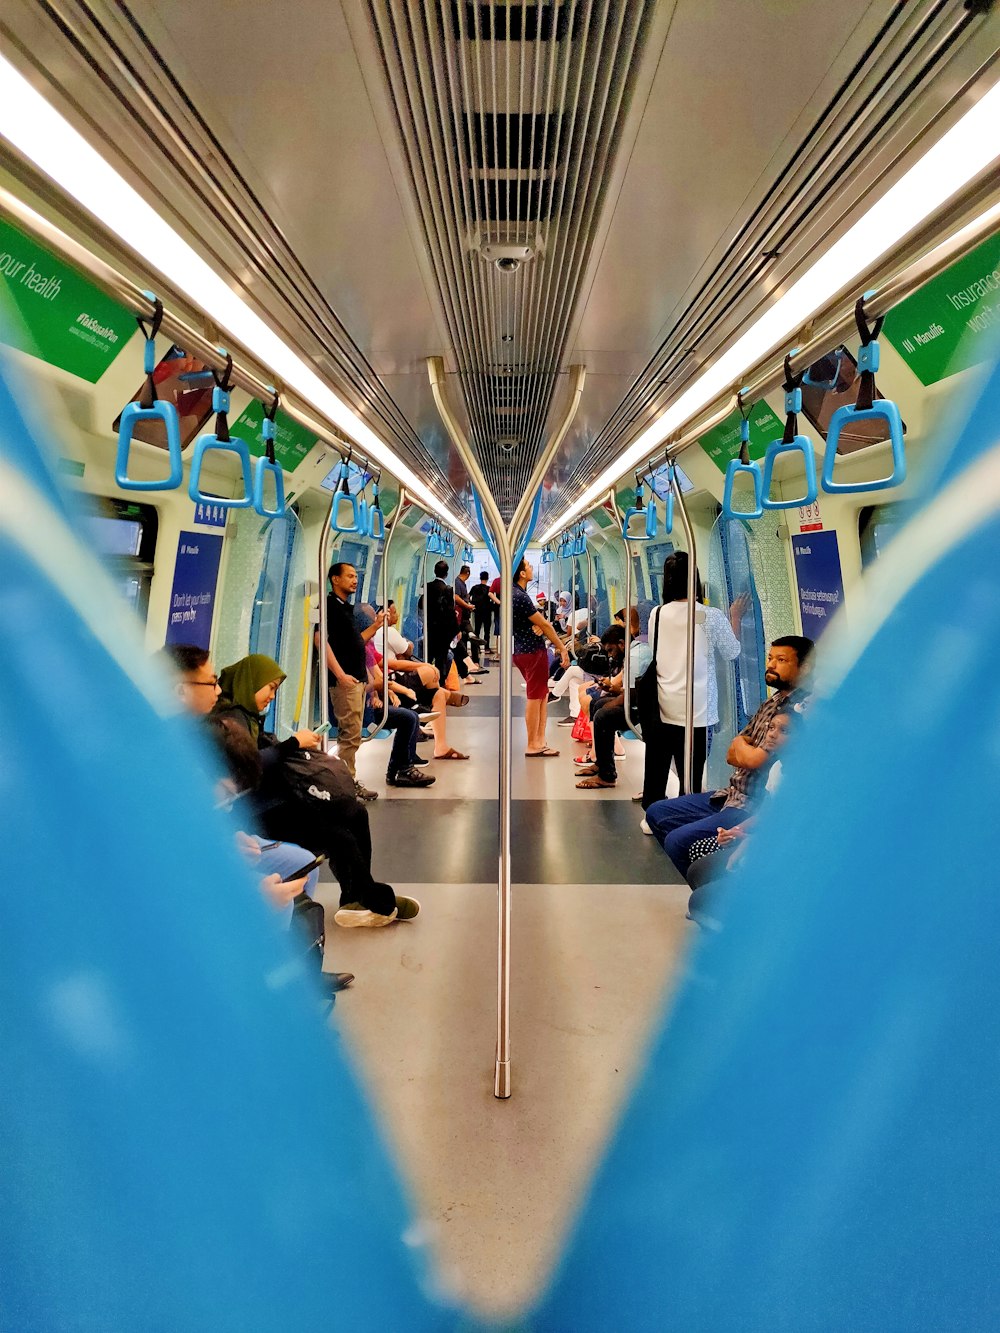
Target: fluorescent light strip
[960,155]
[54,146]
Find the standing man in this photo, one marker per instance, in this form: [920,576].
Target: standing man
[532,660]
[464,609]
[345,658]
[483,602]
[442,625]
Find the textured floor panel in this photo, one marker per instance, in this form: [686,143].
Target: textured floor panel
[497,1182]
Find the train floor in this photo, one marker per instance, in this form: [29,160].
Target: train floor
[598,937]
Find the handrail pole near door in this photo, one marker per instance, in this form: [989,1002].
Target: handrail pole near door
[505,543]
[324,669]
[384,582]
[628,605]
[692,608]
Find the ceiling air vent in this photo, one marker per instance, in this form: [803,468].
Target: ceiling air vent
[538,22]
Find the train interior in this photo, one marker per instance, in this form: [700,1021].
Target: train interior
[333,167]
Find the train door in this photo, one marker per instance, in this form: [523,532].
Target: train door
[124,536]
[267,619]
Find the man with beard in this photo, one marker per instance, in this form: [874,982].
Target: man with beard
[677,824]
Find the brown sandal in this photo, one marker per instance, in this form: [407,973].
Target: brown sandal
[592,783]
[450,753]
[457,700]
[547,753]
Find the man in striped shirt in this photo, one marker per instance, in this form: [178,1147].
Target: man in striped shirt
[678,823]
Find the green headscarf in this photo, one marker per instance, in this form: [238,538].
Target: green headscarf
[241,681]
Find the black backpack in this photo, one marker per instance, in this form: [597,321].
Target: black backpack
[309,921]
[312,777]
[644,705]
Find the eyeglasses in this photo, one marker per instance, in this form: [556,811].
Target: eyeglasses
[209,684]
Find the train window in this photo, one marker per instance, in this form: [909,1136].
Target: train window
[187,383]
[877,525]
[819,405]
[124,536]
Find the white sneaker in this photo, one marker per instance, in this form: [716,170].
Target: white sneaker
[645,827]
[353,917]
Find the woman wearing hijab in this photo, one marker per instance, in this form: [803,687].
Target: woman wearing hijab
[336,825]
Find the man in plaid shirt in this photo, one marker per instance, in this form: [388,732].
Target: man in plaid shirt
[679,823]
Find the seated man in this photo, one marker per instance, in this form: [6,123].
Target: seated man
[608,716]
[711,861]
[677,824]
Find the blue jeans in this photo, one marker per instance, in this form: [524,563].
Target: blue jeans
[404,724]
[283,859]
[678,823]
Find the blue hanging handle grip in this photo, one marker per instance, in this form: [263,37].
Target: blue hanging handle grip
[346,516]
[831,381]
[221,442]
[790,443]
[580,541]
[267,466]
[150,408]
[668,502]
[565,546]
[376,519]
[548,555]
[636,512]
[743,466]
[867,408]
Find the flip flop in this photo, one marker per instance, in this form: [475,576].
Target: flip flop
[592,783]
[450,754]
[547,753]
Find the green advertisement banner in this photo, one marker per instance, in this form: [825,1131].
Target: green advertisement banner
[292,441]
[722,443]
[48,310]
[953,321]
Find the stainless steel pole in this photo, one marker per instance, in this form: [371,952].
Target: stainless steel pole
[628,607]
[505,543]
[324,669]
[692,609]
[384,581]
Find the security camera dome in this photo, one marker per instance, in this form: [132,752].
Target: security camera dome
[508,264]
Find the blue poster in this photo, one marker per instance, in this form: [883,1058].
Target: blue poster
[821,584]
[192,599]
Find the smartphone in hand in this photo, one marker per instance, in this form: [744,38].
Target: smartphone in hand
[305,870]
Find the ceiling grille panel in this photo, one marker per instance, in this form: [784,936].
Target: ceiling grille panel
[508,116]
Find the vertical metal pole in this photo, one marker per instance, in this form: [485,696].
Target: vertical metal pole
[384,582]
[691,612]
[324,670]
[628,608]
[505,541]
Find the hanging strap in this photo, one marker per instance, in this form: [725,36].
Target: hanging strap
[793,402]
[220,399]
[269,429]
[147,394]
[744,429]
[868,357]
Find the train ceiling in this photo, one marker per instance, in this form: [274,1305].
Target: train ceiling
[646,174]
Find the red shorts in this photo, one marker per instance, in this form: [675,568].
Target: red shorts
[534,667]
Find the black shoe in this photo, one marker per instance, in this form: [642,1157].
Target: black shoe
[364,793]
[425,734]
[335,981]
[409,777]
[420,763]
[553,698]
